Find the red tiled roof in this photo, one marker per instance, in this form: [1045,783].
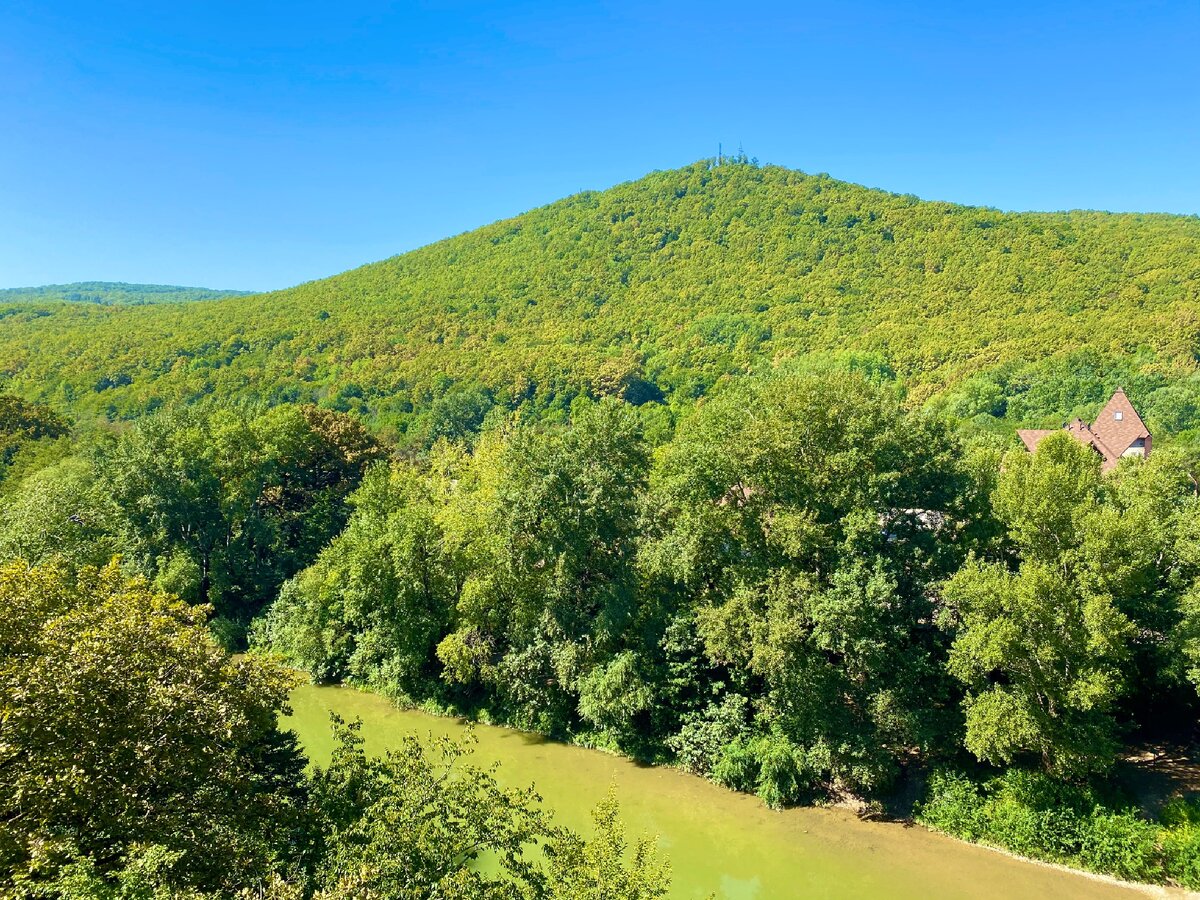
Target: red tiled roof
[1119,425]
[1115,430]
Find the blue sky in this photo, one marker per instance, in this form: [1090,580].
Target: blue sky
[258,145]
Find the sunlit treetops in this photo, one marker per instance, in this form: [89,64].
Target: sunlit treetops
[658,289]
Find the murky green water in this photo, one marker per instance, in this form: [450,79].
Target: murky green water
[717,841]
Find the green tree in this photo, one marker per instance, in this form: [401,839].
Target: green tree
[379,597]
[423,822]
[602,868]
[22,422]
[223,505]
[412,823]
[1041,649]
[126,727]
[807,515]
[1041,665]
[60,511]
[32,437]
[545,522]
[1188,637]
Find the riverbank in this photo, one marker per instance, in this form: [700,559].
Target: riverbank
[718,840]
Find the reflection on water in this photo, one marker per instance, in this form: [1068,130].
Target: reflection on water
[717,841]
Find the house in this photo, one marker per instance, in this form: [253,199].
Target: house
[1117,432]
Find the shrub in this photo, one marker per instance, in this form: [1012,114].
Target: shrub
[768,765]
[1181,855]
[1033,814]
[1181,811]
[699,744]
[610,696]
[782,776]
[953,805]
[1122,844]
[737,767]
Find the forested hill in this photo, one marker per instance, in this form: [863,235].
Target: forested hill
[109,293]
[655,289]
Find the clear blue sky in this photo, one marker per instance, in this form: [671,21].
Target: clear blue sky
[255,145]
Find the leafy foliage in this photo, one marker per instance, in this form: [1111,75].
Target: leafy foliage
[215,506]
[1047,648]
[126,727]
[799,583]
[409,825]
[803,591]
[553,574]
[1036,816]
[138,761]
[22,425]
[418,821]
[659,289]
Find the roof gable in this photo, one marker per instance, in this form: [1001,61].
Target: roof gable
[1118,425]
[1117,428]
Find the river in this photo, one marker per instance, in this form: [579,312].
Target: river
[717,840]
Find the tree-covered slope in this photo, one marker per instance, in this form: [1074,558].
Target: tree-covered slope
[110,293]
[659,285]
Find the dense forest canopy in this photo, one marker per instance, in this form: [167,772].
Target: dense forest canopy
[805,591]
[656,290]
[110,293]
[714,469]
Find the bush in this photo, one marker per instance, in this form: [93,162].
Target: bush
[1182,811]
[1034,815]
[1181,841]
[782,775]
[228,633]
[1181,855]
[1122,844]
[610,696]
[699,744]
[737,767]
[953,805]
[769,766]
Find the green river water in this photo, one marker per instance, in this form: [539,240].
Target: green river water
[717,841]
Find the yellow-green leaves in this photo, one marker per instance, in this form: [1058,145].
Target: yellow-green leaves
[124,724]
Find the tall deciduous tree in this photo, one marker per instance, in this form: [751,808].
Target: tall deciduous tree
[546,522]
[21,423]
[380,595]
[1041,648]
[222,506]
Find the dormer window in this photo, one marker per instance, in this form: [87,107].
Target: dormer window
[1118,415]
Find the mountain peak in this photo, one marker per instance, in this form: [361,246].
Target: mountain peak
[675,281]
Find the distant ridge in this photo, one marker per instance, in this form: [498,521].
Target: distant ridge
[113,293]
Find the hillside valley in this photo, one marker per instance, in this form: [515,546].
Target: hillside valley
[658,289]
[576,518]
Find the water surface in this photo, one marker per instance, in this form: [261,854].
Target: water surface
[717,840]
